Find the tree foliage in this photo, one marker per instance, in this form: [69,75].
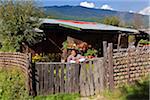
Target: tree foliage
[115,21]
[18,20]
[138,22]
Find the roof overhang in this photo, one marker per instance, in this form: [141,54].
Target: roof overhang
[145,31]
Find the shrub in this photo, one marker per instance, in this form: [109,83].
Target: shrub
[49,57]
[144,42]
[137,91]
[131,39]
[12,84]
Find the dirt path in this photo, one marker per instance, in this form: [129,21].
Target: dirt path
[94,98]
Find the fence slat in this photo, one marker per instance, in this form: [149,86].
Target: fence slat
[82,78]
[41,78]
[86,80]
[72,81]
[37,79]
[105,62]
[45,79]
[96,76]
[67,86]
[70,78]
[62,86]
[91,81]
[77,73]
[51,79]
[57,82]
[110,64]
[102,72]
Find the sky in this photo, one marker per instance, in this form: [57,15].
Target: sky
[138,6]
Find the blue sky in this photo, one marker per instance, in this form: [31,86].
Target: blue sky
[121,5]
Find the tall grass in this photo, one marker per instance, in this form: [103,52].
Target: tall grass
[139,90]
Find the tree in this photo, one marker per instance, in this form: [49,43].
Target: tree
[18,20]
[115,21]
[137,22]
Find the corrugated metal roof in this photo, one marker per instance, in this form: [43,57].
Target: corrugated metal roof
[88,25]
[145,30]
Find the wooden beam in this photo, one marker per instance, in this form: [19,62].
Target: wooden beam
[119,39]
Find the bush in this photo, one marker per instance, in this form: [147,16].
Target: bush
[49,57]
[131,39]
[137,91]
[144,42]
[12,84]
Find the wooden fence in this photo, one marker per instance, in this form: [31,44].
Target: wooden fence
[92,77]
[126,67]
[84,78]
[88,78]
[131,65]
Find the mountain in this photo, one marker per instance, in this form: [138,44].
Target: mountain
[90,14]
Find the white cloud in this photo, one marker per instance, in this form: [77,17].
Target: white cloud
[87,4]
[107,7]
[131,11]
[145,11]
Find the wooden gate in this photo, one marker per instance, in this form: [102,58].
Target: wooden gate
[84,78]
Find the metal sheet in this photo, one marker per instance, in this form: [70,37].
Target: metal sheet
[88,25]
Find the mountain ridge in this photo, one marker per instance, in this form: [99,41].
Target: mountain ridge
[90,14]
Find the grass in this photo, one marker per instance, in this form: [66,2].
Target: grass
[59,97]
[12,87]
[137,91]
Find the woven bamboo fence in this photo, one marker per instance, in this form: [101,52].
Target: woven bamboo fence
[126,67]
[16,59]
[131,65]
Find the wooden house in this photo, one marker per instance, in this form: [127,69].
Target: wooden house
[57,31]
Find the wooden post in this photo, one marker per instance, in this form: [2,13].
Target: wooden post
[128,66]
[105,48]
[110,66]
[118,45]
[30,88]
[37,73]
[105,63]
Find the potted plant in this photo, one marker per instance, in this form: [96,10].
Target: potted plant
[91,53]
